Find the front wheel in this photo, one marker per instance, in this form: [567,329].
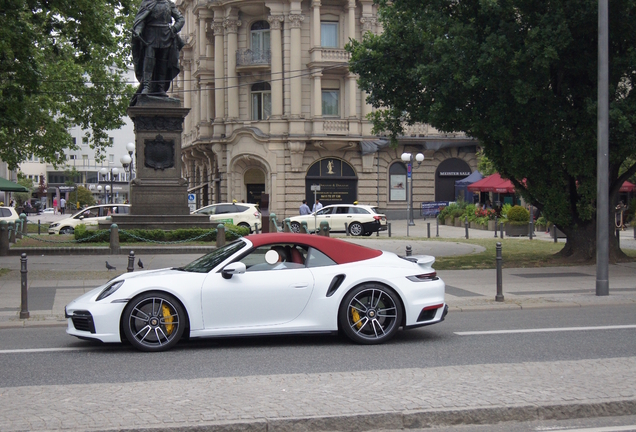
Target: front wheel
[370,314]
[67,230]
[295,227]
[356,229]
[153,321]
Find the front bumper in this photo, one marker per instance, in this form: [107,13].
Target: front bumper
[91,320]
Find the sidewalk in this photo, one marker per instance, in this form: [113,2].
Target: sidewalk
[389,399]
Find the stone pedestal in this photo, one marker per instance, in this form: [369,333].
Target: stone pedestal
[158,194]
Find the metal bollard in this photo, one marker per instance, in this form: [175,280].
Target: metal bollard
[256,228]
[389,228]
[409,252]
[23,218]
[39,227]
[501,226]
[531,228]
[466,225]
[18,229]
[428,229]
[114,240]
[131,262]
[495,226]
[347,229]
[437,226]
[554,234]
[618,237]
[220,235]
[24,307]
[11,227]
[499,297]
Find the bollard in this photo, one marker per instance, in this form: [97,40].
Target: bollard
[18,230]
[324,228]
[256,228]
[11,228]
[273,223]
[389,228]
[24,307]
[499,297]
[618,237]
[466,225]
[131,262]
[4,238]
[409,251]
[347,229]
[220,235]
[114,240]
[428,229]
[437,227]
[531,228]
[39,226]
[303,228]
[23,218]
[495,226]
[286,225]
[554,234]
[501,229]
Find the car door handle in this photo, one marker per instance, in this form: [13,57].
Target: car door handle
[300,286]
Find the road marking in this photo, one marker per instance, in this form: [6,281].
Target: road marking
[599,429]
[40,350]
[545,330]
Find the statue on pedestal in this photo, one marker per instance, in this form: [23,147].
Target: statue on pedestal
[155,47]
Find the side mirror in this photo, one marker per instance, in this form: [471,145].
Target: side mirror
[81,217]
[232,269]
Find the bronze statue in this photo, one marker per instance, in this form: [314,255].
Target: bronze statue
[156,46]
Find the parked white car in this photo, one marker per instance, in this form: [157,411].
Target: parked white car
[9,214]
[241,214]
[360,219]
[90,216]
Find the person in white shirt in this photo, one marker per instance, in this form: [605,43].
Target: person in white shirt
[317,206]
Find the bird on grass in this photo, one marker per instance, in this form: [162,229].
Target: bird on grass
[110,267]
[140,264]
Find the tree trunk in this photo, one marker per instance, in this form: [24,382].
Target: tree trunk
[580,246]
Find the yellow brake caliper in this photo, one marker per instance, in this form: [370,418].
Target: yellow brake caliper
[356,317]
[167,318]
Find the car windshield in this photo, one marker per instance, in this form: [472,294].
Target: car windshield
[214,258]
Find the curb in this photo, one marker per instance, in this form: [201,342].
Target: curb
[391,420]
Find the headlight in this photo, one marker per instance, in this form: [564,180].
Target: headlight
[53,225]
[109,290]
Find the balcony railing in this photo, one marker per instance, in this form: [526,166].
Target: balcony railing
[248,57]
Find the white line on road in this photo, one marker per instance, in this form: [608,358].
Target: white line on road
[545,330]
[40,350]
[599,429]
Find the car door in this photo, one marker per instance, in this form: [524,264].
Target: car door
[221,214]
[340,217]
[262,296]
[324,214]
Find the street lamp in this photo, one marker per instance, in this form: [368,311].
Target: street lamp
[408,158]
[127,160]
[113,172]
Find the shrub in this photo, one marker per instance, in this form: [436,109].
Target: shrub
[517,215]
[139,235]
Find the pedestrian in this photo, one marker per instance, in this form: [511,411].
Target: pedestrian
[317,206]
[55,206]
[304,208]
[62,205]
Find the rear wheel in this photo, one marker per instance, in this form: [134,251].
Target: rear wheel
[356,229]
[245,225]
[370,314]
[153,321]
[295,227]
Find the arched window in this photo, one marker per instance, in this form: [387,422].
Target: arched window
[261,101]
[397,182]
[259,37]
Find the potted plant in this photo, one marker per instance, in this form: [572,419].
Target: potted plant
[518,220]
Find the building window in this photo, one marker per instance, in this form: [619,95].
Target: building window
[329,34]
[72,157]
[111,140]
[259,35]
[85,160]
[261,101]
[111,158]
[330,103]
[397,182]
[74,141]
[84,140]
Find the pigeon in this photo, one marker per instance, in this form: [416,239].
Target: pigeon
[140,264]
[110,267]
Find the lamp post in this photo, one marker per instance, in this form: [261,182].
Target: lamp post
[113,172]
[127,160]
[408,159]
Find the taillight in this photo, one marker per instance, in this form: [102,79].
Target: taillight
[378,218]
[257,214]
[423,277]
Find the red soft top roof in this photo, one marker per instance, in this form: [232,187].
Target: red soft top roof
[340,251]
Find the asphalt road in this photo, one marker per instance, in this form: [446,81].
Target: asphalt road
[47,356]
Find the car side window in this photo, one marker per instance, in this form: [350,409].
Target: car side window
[342,210]
[240,208]
[5,212]
[255,260]
[223,209]
[359,210]
[324,211]
[315,258]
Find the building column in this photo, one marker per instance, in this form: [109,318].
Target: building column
[317,102]
[353,96]
[201,36]
[351,16]
[187,93]
[315,31]
[231,25]
[296,21]
[219,90]
[276,43]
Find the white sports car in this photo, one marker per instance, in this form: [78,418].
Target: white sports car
[277,283]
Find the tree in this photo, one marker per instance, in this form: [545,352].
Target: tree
[521,77]
[61,64]
[80,197]
[22,197]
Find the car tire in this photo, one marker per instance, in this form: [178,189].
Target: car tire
[295,227]
[370,314]
[153,321]
[244,225]
[356,229]
[67,230]
[367,233]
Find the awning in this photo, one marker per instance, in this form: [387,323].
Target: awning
[9,186]
[492,183]
[628,187]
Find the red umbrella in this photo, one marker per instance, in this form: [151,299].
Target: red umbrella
[492,183]
[627,187]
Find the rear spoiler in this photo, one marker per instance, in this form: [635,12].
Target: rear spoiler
[424,261]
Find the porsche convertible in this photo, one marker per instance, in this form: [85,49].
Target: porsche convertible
[264,284]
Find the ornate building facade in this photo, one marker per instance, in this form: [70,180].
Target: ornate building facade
[274,109]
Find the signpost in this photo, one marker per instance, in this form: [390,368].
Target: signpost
[315,188]
[192,202]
